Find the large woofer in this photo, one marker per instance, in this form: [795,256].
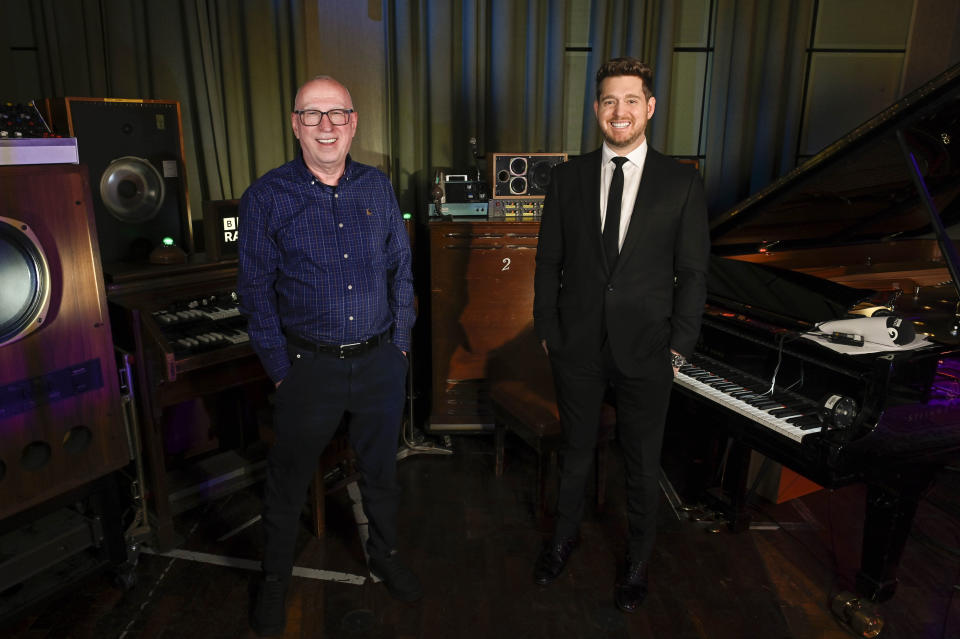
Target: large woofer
[25,293]
[131,189]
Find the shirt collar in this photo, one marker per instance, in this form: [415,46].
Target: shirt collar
[637,156]
[349,171]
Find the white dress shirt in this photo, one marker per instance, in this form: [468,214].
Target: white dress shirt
[632,170]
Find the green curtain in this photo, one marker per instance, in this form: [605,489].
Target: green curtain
[639,28]
[233,66]
[755,96]
[485,69]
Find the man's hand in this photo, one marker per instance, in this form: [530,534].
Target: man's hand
[277,384]
[546,350]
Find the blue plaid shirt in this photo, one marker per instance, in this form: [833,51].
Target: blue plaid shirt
[326,263]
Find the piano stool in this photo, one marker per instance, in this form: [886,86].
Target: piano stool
[528,408]
[337,451]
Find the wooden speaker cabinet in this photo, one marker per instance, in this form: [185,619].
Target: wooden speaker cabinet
[60,417]
[481,280]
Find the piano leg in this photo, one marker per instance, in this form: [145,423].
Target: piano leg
[889,516]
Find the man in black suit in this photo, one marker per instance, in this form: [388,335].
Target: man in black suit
[619,288]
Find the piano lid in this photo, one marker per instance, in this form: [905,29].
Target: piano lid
[859,190]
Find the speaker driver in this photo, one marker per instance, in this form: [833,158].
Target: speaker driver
[540,176]
[518,186]
[25,294]
[518,166]
[132,190]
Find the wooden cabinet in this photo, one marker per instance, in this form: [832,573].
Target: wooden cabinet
[481,279]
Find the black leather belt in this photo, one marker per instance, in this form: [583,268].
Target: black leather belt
[339,350]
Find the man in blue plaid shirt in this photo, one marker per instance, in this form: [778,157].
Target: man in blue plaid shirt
[326,286]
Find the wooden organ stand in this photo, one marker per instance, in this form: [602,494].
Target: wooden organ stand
[481,280]
[166,375]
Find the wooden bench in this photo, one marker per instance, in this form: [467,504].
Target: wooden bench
[527,407]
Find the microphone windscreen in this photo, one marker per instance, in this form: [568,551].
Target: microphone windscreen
[900,332]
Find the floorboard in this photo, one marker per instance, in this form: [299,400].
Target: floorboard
[472,538]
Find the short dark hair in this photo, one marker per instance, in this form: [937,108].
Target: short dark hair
[626,66]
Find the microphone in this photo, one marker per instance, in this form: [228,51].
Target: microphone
[436,193]
[476,156]
[889,329]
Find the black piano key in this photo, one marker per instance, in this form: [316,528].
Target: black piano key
[770,403]
[784,412]
[727,386]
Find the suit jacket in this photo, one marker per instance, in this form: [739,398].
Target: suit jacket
[653,300]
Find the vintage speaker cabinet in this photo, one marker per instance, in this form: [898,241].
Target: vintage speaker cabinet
[481,281]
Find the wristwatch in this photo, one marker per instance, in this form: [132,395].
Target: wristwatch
[677,360]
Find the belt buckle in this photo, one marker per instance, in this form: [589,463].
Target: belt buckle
[344,347]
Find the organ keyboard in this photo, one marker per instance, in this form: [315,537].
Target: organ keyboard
[189,340]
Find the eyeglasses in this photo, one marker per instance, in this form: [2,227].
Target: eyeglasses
[311,117]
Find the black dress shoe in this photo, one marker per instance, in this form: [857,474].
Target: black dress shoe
[631,587]
[552,560]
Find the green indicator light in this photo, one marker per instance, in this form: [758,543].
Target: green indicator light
[167,241]
[407,216]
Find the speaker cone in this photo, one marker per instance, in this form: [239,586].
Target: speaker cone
[25,294]
[131,189]
[540,176]
[518,166]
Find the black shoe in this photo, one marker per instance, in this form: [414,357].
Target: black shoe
[552,560]
[631,588]
[399,580]
[270,611]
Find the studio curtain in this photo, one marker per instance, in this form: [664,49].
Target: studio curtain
[234,66]
[755,106]
[491,70]
[642,29]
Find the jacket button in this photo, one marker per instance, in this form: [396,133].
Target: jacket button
[610,287]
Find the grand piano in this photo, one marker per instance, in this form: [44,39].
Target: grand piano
[857,230]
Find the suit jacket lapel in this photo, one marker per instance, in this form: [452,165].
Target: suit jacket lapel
[590,187]
[647,192]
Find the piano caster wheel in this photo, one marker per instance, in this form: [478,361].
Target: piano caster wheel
[856,615]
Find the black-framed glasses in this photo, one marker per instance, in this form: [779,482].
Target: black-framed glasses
[312,117]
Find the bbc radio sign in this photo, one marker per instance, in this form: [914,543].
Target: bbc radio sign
[230,229]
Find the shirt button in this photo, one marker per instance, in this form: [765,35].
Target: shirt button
[298,355]
[345,256]
[350,318]
[340,224]
[336,195]
[349,287]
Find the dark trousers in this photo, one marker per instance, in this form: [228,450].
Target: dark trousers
[641,403]
[310,403]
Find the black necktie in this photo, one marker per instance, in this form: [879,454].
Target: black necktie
[611,227]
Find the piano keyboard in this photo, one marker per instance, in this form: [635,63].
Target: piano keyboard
[786,416]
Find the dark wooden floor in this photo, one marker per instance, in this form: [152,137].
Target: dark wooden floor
[472,538]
